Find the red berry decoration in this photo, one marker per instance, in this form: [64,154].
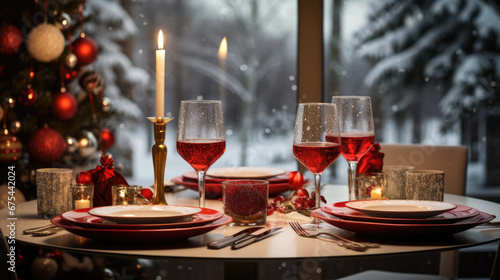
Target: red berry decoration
[147,193]
[107,139]
[296,181]
[10,39]
[70,75]
[302,193]
[28,97]
[85,50]
[64,105]
[46,145]
[10,148]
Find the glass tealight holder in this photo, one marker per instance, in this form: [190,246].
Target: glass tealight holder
[126,195]
[370,185]
[245,201]
[81,196]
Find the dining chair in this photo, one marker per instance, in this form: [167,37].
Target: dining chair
[450,159]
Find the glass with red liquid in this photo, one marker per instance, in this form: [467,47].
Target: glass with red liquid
[314,123]
[356,131]
[201,137]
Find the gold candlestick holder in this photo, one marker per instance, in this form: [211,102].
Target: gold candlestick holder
[159,159]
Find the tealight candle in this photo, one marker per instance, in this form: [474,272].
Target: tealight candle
[82,203]
[376,193]
[81,196]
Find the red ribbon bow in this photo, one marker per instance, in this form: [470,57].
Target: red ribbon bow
[372,161]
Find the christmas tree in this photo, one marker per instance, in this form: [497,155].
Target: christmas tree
[62,100]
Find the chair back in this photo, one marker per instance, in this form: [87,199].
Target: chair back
[450,159]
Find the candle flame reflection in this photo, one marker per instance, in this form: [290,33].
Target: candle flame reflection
[223,49]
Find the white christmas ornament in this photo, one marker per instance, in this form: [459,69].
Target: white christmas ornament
[45,42]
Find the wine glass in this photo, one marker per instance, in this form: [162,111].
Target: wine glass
[316,140]
[356,131]
[201,137]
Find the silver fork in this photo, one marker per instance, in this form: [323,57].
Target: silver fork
[349,244]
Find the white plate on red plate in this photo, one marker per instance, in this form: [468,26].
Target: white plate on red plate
[144,214]
[132,236]
[245,172]
[402,230]
[340,210]
[409,209]
[192,176]
[82,218]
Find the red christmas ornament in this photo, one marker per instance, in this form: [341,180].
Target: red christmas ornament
[10,39]
[64,105]
[107,139]
[46,145]
[147,193]
[85,50]
[28,97]
[10,148]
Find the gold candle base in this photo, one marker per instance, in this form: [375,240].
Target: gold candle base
[159,159]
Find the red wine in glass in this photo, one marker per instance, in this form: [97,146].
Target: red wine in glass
[201,153]
[355,145]
[316,156]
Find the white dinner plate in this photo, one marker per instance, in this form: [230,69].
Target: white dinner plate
[245,172]
[411,209]
[144,214]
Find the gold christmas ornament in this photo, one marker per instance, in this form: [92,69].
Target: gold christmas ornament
[45,42]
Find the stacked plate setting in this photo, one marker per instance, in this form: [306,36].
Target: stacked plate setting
[136,223]
[277,178]
[401,218]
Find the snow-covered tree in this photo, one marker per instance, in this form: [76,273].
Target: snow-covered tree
[110,25]
[451,43]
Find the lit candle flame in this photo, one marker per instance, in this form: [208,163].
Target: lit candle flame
[160,40]
[223,49]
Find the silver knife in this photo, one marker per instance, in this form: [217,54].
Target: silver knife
[223,242]
[251,238]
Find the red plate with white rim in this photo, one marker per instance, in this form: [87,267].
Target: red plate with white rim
[408,209]
[192,176]
[215,189]
[140,235]
[245,172]
[459,213]
[82,218]
[402,230]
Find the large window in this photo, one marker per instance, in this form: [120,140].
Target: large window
[257,80]
[430,68]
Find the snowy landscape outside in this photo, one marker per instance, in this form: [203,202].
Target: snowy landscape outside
[429,68]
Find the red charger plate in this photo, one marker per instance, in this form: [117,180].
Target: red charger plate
[340,210]
[402,230]
[140,235]
[82,218]
[215,189]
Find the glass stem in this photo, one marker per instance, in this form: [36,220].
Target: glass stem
[352,179]
[201,188]
[317,189]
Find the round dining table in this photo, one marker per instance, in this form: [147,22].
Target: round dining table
[282,248]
